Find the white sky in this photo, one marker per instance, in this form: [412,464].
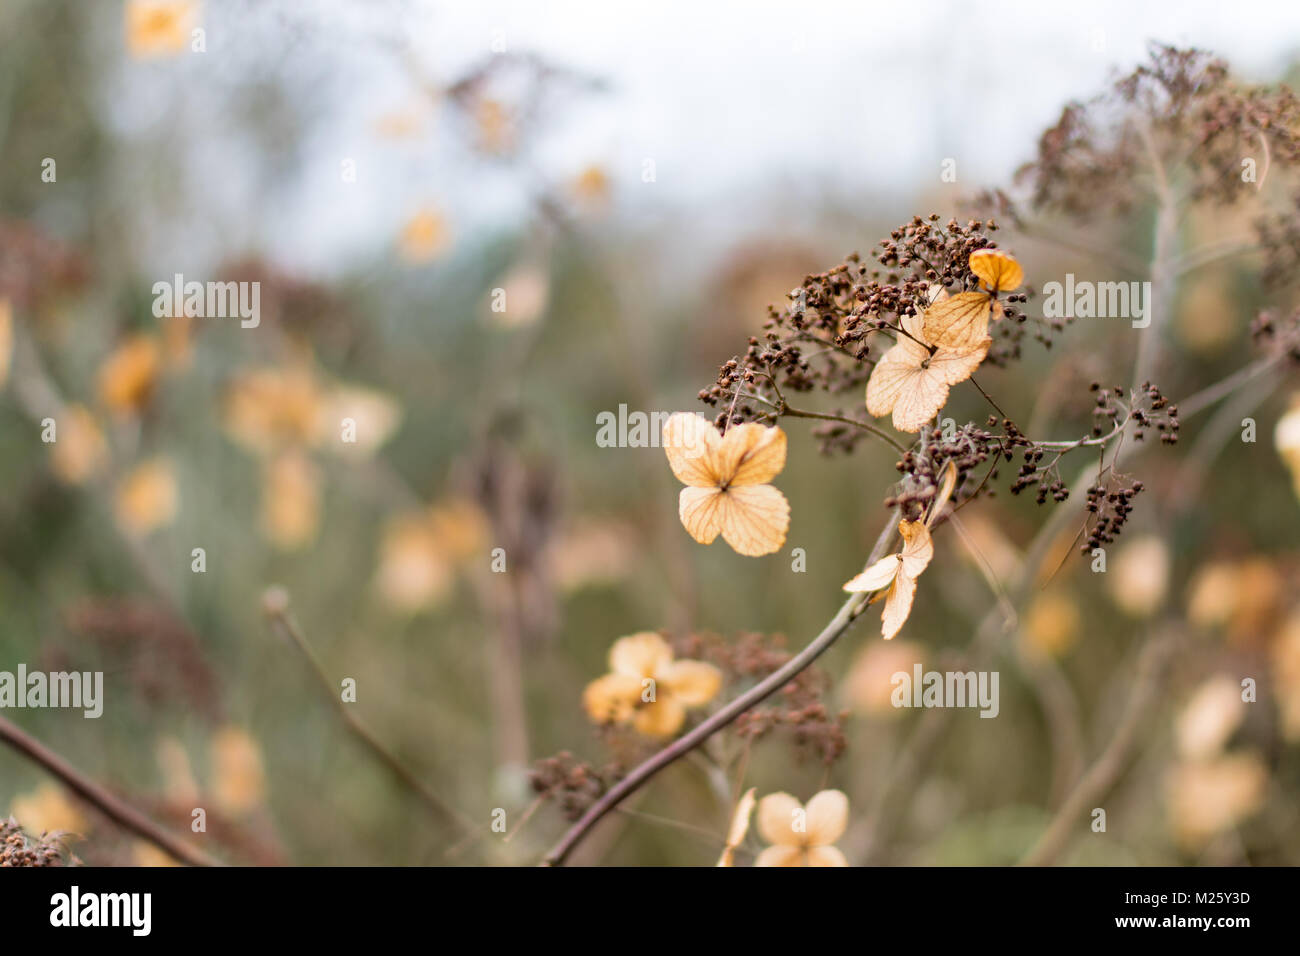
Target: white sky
[730,99]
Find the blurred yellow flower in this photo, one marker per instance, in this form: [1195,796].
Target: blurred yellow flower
[146,499]
[868,686]
[1208,797]
[362,419]
[265,410]
[495,126]
[1286,436]
[413,572]
[739,827]
[1244,597]
[291,500]
[238,780]
[460,528]
[725,478]
[1209,718]
[592,190]
[520,296]
[803,836]
[129,375]
[156,28]
[48,809]
[592,552]
[79,450]
[1139,577]
[1051,623]
[177,779]
[424,238]
[647,688]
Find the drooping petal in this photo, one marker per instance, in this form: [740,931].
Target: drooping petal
[824,856]
[661,718]
[610,699]
[701,511]
[898,605]
[959,322]
[889,379]
[691,443]
[752,453]
[777,813]
[755,519]
[998,271]
[694,683]
[740,819]
[640,655]
[877,576]
[919,402]
[781,856]
[828,817]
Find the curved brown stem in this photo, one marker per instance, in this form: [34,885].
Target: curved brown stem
[121,813]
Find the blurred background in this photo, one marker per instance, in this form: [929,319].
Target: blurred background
[636,186]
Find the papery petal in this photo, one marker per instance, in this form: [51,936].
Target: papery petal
[828,817]
[918,547]
[781,856]
[898,606]
[755,519]
[694,683]
[824,856]
[998,271]
[701,512]
[776,816]
[957,365]
[920,400]
[691,443]
[960,322]
[611,698]
[752,454]
[877,576]
[660,718]
[640,655]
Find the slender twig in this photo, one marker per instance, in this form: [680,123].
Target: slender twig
[121,813]
[839,624]
[275,603]
[879,433]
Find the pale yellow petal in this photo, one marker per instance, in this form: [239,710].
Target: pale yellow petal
[947,484]
[877,576]
[918,547]
[740,819]
[957,365]
[828,816]
[998,271]
[920,400]
[640,655]
[660,718]
[755,519]
[691,444]
[751,454]
[777,813]
[960,322]
[701,512]
[781,856]
[824,856]
[694,683]
[898,605]
[888,381]
[610,699]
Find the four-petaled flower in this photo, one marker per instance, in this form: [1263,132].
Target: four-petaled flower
[647,688]
[725,479]
[802,836]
